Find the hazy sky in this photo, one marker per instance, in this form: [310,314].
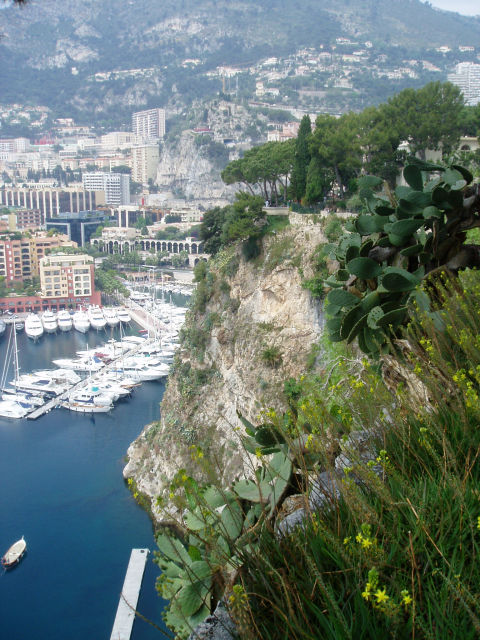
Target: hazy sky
[465,7]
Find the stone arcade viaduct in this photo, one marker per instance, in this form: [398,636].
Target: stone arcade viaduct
[192,246]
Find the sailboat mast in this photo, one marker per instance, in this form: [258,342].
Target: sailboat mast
[15,355]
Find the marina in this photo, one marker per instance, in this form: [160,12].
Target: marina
[78,384]
[69,495]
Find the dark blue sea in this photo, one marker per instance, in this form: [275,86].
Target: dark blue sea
[61,486]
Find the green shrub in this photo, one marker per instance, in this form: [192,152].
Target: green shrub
[272,356]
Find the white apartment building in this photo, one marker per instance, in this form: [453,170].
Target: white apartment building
[115,185]
[145,159]
[467,78]
[149,124]
[117,140]
[65,276]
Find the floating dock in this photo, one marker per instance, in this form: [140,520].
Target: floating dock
[122,627]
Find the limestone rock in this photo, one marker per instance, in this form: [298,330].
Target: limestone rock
[271,309]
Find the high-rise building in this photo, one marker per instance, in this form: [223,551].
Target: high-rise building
[49,200]
[467,78]
[145,159]
[149,124]
[115,185]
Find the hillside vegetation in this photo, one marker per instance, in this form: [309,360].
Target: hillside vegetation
[51,51]
[360,516]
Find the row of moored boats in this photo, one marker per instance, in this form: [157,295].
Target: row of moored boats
[81,320]
[92,381]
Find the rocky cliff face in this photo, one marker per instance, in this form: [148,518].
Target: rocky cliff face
[185,171]
[257,329]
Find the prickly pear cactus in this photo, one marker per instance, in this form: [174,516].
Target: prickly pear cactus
[405,238]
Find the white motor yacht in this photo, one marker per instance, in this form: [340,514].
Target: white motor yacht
[12,409]
[86,364]
[92,394]
[145,373]
[64,320]
[32,382]
[61,375]
[33,326]
[87,406]
[81,322]
[24,398]
[119,378]
[123,316]
[111,317]
[96,317]
[49,322]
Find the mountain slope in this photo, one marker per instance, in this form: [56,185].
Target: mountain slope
[50,51]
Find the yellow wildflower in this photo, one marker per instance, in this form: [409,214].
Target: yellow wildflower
[381,595]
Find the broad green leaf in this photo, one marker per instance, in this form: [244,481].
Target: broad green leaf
[374,316]
[232,520]
[369,182]
[465,172]
[213,496]
[191,598]
[393,318]
[172,548]
[341,298]
[365,268]
[406,227]
[199,571]
[397,280]
[413,177]
[195,521]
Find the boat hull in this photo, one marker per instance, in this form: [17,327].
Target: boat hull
[13,556]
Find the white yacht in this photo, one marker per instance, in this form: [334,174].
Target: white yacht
[123,315]
[85,364]
[81,322]
[33,326]
[64,320]
[49,321]
[120,379]
[96,317]
[32,382]
[60,376]
[13,409]
[92,394]
[144,373]
[91,400]
[111,317]
[24,398]
[87,407]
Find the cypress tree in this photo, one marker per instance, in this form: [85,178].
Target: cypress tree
[302,159]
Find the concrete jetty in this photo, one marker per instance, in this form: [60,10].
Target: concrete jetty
[122,627]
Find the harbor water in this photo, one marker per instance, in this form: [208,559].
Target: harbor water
[62,488]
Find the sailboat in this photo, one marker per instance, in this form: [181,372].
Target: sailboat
[12,407]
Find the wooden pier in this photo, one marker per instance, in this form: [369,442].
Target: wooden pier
[122,627]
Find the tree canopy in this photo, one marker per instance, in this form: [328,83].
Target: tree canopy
[265,168]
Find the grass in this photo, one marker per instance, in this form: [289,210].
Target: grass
[395,551]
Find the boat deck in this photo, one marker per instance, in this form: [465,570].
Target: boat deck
[122,627]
